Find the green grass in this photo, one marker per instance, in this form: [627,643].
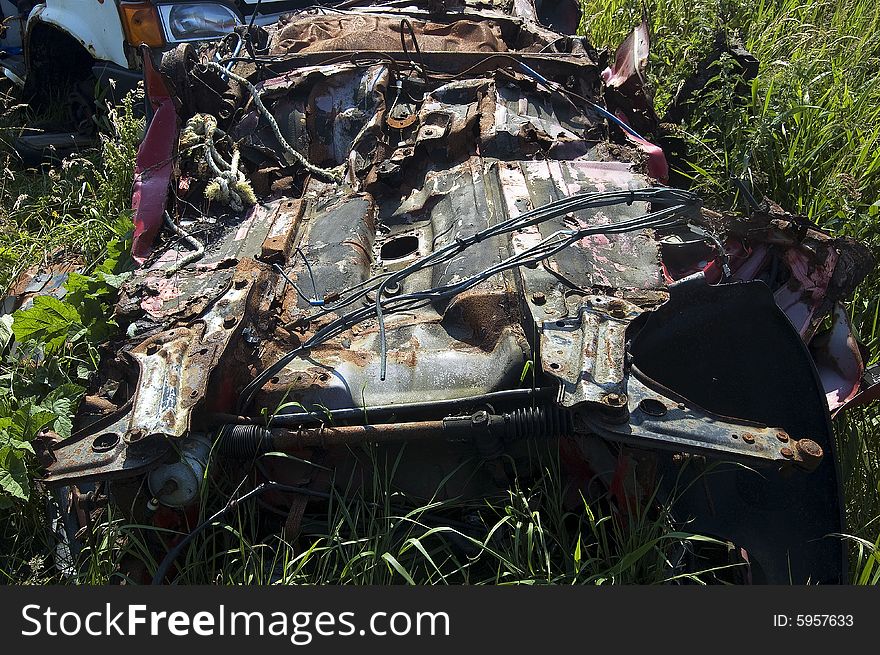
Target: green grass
[69,209]
[807,134]
[374,535]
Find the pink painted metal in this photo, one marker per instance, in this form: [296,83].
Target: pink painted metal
[838,360]
[154,164]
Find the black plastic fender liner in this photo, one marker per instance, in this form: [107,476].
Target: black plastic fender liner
[731,350]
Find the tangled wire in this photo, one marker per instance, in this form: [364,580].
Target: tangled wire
[330,174]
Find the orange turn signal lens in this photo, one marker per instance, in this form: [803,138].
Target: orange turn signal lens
[141,23]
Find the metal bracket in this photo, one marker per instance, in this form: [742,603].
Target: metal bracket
[102,454]
[660,421]
[586,354]
[174,370]
[176,365]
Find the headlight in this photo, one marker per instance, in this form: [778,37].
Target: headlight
[187,22]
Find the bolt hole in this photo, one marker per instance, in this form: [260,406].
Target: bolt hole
[274,380]
[554,366]
[399,248]
[560,323]
[653,407]
[105,442]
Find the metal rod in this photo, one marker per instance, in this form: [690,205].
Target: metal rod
[385,413]
[330,437]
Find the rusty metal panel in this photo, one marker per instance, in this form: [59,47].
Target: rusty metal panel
[587,352]
[380,33]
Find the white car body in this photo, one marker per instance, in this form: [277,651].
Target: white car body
[97,26]
[94,23]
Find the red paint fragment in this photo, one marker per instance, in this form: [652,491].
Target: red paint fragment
[802,297]
[658,168]
[154,164]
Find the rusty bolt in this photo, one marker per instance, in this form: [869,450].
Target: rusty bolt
[539,298]
[809,450]
[617,309]
[787,452]
[782,436]
[229,322]
[614,399]
[748,437]
[480,418]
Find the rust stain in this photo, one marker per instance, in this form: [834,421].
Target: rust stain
[381,33]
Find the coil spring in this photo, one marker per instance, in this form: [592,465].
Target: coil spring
[540,421]
[244,441]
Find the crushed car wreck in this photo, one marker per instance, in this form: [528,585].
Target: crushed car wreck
[450,229]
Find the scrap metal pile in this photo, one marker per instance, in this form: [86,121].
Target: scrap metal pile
[451,230]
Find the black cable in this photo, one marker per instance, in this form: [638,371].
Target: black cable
[249,41]
[533,217]
[318,300]
[311,274]
[314,302]
[397,277]
[254,16]
[404,22]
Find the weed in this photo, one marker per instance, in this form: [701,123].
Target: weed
[807,135]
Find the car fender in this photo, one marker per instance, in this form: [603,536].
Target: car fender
[93,23]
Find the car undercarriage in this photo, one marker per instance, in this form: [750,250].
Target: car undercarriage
[446,226]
